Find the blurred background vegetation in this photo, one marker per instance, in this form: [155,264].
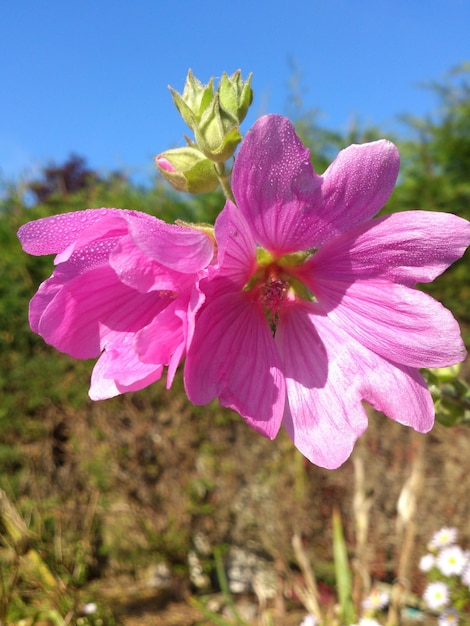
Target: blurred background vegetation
[112,489]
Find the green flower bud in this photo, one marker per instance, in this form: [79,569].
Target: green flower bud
[217,134]
[195,99]
[235,94]
[187,169]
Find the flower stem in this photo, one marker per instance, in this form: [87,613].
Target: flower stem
[224,180]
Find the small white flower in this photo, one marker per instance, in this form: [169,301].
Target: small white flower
[427,562]
[450,617]
[466,575]
[436,596]
[89,608]
[368,621]
[444,537]
[376,600]
[309,620]
[451,561]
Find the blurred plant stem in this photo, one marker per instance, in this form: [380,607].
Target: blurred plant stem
[407,506]
[362,503]
[309,594]
[224,180]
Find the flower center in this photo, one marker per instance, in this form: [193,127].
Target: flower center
[272,293]
[270,290]
[274,284]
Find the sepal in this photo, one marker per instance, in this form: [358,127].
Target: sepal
[235,94]
[187,169]
[194,100]
[218,133]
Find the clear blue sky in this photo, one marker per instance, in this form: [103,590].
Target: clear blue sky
[91,76]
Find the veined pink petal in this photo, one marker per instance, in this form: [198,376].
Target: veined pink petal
[189,314]
[401,324]
[97,240]
[233,357]
[167,338]
[52,235]
[328,374]
[119,370]
[400,392]
[164,339]
[45,294]
[324,416]
[408,247]
[90,257]
[157,341]
[137,270]
[275,186]
[355,187]
[116,271]
[236,246]
[179,248]
[186,250]
[87,308]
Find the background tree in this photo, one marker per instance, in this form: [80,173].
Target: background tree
[435,176]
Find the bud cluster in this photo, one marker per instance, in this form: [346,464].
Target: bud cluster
[214,116]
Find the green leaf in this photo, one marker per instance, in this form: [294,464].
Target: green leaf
[342,571]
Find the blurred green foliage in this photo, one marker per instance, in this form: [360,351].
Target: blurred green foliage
[435,176]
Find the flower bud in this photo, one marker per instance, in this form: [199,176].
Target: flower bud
[217,134]
[187,169]
[235,94]
[195,99]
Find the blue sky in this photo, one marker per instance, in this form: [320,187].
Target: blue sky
[91,76]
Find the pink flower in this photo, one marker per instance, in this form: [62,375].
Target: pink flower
[312,308]
[125,288]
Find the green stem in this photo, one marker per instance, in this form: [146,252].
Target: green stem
[223,582]
[224,180]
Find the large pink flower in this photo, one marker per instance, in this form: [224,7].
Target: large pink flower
[125,287]
[313,307]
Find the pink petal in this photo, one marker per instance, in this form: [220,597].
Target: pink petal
[52,235]
[398,391]
[275,186]
[233,357]
[189,315]
[236,246]
[137,270]
[157,342]
[119,370]
[180,248]
[97,240]
[79,316]
[324,416]
[409,247]
[355,187]
[40,301]
[327,376]
[185,250]
[165,339]
[402,324]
